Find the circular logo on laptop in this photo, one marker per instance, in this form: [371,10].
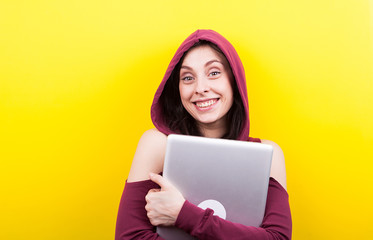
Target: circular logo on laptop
[218,208]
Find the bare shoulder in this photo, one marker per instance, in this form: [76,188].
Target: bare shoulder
[278,169]
[149,155]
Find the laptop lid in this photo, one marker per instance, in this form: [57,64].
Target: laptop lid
[231,177]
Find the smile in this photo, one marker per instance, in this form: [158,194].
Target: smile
[206,104]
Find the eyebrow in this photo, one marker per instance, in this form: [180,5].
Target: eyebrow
[206,64]
[212,61]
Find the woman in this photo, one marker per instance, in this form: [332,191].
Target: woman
[203,93]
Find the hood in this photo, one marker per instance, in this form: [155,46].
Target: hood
[237,70]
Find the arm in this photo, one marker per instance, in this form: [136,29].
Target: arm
[132,220]
[276,223]
[149,156]
[278,169]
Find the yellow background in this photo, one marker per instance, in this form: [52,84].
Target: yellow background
[77,79]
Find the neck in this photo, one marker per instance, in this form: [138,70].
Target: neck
[213,130]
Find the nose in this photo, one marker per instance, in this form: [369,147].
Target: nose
[202,85]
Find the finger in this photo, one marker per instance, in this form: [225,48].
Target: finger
[148,208]
[154,190]
[161,181]
[150,192]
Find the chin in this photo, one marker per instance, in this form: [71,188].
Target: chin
[207,119]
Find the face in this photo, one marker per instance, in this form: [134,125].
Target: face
[206,86]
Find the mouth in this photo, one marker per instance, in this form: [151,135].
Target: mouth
[206,103]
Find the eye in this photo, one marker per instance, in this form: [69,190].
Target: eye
[187,78]
[214,73]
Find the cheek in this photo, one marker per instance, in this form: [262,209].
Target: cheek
[185,93]
[229,96]
[227,91]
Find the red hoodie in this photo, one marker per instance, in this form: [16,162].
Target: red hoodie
[132,221]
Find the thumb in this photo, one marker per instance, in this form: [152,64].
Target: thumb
[161,181]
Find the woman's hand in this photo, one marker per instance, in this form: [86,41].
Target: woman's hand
[163,205]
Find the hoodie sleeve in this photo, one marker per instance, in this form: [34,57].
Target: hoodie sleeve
[276,224]
[132,221]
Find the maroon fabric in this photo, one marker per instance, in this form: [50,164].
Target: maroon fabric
[132,222]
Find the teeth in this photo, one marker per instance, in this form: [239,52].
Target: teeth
[206,104]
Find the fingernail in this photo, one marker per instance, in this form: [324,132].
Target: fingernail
[151,175]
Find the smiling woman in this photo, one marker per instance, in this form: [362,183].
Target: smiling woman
[203,93]
[206,90]
[201,86]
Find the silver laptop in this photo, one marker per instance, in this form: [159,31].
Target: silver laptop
[231,177]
